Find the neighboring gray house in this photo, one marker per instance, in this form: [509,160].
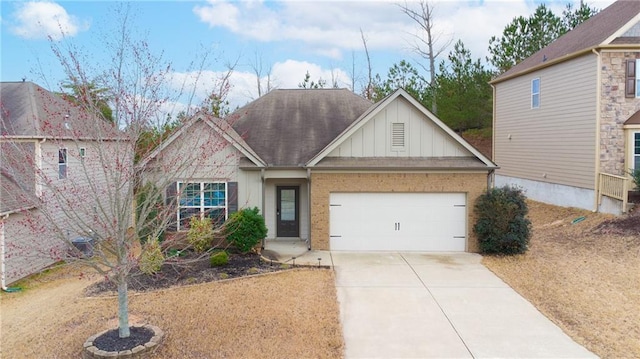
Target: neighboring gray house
[331,168]
[566,120]
[48,154]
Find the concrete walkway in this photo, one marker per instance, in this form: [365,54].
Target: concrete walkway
[432,305]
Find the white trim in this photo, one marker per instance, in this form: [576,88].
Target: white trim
[377,108]
[248,152]
[632,152]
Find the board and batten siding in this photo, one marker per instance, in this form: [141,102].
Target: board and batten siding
[554,143]
[422,137]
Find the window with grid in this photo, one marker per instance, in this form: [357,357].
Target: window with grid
[202,199]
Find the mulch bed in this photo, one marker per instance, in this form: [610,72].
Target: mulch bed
[111,341]
[188,269]
[627,225]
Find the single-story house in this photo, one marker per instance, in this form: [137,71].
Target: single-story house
[333,169]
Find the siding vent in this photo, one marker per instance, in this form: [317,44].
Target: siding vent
[397,136]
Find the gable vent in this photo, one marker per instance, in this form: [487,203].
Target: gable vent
[397,135]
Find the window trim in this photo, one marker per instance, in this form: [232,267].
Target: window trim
[201,202]
[635,136]
[636,79]
[63,163]
[534,94]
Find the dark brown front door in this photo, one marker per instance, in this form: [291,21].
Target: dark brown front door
[287,211]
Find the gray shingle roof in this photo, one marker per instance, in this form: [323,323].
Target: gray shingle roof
[286,128]
[590,34]
[28,110]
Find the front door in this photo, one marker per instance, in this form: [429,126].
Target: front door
[287,213]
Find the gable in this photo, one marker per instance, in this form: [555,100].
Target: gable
[199,152]
[288,127]
[400,127]
[400,130]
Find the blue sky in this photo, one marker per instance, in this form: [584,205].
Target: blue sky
[288,38]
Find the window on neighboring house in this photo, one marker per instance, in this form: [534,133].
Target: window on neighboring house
[535,93]
[62,163]
[202,199]
[636,151]
[83,152]
[397,136]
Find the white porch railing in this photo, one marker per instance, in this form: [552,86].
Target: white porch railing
[613,186]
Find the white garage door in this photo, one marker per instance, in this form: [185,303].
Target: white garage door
[398,221]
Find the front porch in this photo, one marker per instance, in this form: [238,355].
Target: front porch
[295,251]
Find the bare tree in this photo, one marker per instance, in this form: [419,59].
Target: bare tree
[369,88]
[427,44]
[261,71]
[77,176]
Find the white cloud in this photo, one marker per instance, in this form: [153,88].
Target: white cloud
[39,20]
[286,74]
[332,28]
[325,27]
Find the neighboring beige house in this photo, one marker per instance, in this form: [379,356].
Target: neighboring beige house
[329,167]
[49,155]
[566,120]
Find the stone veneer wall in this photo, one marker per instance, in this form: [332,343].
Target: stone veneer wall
[322,184]
[615,109]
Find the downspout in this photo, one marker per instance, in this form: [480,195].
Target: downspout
[4,287]
[38,161]
[309,210]
[262,184]
[2,254]
[596,180]
[490,180]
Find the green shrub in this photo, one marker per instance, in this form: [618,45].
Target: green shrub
[200,233]
[635,177]
[219,259]
[245,229]
[152,258]
[502,225]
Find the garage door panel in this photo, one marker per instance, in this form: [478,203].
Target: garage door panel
[398,221]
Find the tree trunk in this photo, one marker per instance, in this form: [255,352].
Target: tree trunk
[123,308]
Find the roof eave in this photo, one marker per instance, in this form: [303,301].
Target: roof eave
[566,58]
[543,65]
[404,169]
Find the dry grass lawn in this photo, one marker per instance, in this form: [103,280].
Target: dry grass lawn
[290,314]
[586,280]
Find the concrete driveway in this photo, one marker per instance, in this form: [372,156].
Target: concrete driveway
[428,305]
